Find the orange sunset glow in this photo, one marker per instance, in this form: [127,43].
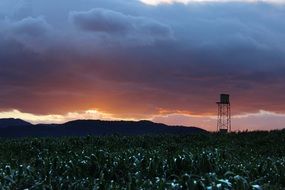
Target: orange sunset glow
[135,61]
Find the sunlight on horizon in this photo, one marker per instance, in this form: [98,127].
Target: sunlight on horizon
[261,120]
[54,118]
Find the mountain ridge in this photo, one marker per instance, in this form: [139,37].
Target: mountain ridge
[92,127]
[12,122]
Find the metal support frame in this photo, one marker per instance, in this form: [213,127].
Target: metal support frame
[224,117]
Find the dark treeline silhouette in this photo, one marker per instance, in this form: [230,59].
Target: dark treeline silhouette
[20,128]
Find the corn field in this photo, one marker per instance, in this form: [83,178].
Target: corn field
[237,161]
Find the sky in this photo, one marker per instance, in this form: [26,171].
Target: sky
[162,60]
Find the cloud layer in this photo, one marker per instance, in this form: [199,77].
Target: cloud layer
[113,24]
[131,60]
[157,2]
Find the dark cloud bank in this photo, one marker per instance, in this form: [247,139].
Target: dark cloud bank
[134,60]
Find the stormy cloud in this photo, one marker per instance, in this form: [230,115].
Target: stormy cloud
[133,60]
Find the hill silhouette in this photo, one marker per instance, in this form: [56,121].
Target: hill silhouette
[9,128]
[11,122]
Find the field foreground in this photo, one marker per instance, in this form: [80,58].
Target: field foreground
[200,161]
